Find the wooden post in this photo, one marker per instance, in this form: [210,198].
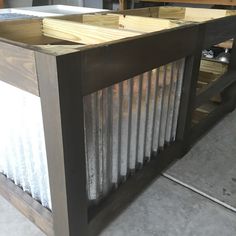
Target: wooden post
[62,107]
[230,92]
[192,67]
[1,3]
[122,4]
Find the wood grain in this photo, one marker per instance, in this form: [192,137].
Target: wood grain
[145,24]
[147,11]
[82,33]
[217,68]
[21,30]
[24,31]
[180,13]
[211,2]
[58,49]
[17,67]
[62,108]
[172,12]
[29,207]
[200,14]
[105,20]
[129,23]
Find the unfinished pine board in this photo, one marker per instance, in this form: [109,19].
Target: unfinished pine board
[105,20]
[193,14]
[181,13]
[93,33]
[147,12]
[58,49]
[82,33]
[227,44]
[208,77]
[145,24]
[199,15]
[157,12]
[209,2]
[21,30]
[25,31]
[213,67]
[130,23]
[171,12]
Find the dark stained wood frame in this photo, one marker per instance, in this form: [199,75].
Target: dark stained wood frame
[62,83]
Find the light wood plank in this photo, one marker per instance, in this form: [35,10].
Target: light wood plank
[130,23]
[82,33]
[145,24]
[213,67]
[21,30]
[211,2]
[58,49]
[199,15]
[227,44]
[105,20]
[181,13]
[24,31]
[171,12]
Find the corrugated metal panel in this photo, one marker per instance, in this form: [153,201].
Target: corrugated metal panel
[22,149]
[128,122]
[124,125]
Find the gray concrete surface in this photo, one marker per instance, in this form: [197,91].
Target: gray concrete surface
[13,223]
[167,208]
[164,209]
[210,166]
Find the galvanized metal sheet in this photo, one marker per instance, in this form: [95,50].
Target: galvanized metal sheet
[132,120]
[124,124]
[22,149]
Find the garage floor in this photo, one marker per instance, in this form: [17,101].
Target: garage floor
[195,197]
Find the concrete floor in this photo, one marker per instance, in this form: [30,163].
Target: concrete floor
[195,197]
[210,167]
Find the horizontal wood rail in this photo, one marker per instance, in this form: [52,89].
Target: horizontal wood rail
[117,201]
[130,62]
[27,205]
[215,87]
[211,120]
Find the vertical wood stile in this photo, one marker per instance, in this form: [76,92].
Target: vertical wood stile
[63,115]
